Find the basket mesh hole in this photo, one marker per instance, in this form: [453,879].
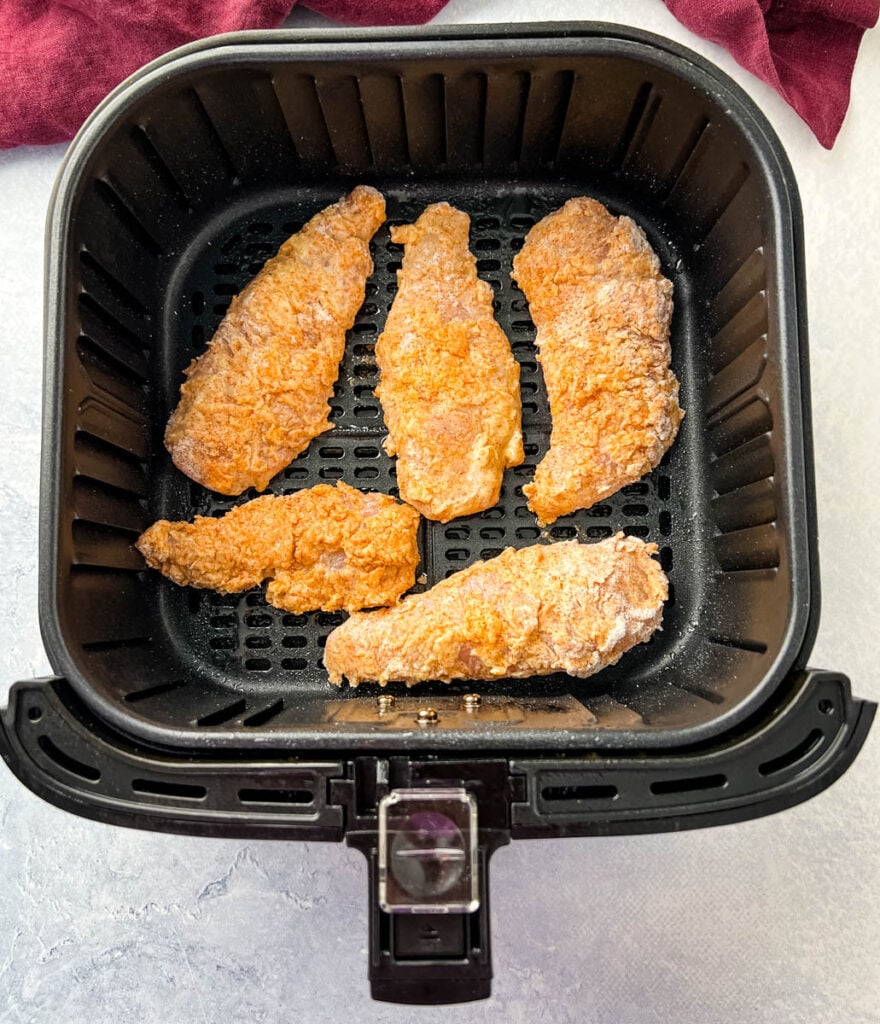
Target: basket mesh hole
[563,532]
[490,533]
[258,664]
[528,532]
[637,531]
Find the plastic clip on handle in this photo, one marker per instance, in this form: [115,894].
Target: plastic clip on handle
[431,958]
[429,897]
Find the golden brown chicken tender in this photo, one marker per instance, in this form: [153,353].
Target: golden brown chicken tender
[256,398]
[566,607]
[449,384]
[602,311]
[327,547]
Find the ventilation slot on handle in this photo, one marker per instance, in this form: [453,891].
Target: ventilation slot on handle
[180,790]
[67,762]
[290,797]
[788,760]
[695,784]
[598,792]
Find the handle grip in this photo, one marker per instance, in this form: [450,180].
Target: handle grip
[430,958]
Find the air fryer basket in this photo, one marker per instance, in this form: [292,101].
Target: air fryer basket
[185,710]
[182,186]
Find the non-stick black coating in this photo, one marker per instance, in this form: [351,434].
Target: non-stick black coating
[189,183]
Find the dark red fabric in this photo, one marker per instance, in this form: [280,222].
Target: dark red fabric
[59,58]
[805,49]
[377,12]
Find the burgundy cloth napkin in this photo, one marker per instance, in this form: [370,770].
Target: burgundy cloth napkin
[59,58]
[805,49]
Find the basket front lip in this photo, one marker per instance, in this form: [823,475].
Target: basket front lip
[573,38]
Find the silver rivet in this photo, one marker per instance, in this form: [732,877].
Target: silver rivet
[385,702]
[471,701]
[427,716]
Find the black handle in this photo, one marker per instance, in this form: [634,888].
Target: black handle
[783,756]
[430,959]
[73,761]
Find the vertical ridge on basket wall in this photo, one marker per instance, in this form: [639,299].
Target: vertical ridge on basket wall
[711,178]
[506,98]
[126,345]
[189,146]
[115,296]
[750,420]
[149,237]
[381,100]
[546,109]
[143,193]
[297,96]
[669,143]
[96,459]
[111,242]
[741,286]
[645,107]
[744,327]
[424,110]
[249,124]
[340,103]
[117,390]
[596,119]
[99,502]
[157,163]
[465,116]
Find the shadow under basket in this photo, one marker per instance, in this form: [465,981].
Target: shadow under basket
[192,711]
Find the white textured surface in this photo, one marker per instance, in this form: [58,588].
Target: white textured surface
[773,920]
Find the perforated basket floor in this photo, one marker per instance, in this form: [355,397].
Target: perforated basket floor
[240,635]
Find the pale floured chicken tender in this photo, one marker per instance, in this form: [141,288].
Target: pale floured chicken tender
[449,384]
[602,310]
[255,399]
[565,607]
[323,548]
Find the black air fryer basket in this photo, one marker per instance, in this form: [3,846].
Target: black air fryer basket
[188,711]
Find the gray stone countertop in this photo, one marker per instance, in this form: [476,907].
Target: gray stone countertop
[773,920]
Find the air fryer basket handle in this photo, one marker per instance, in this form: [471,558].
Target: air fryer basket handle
[785,755]
[430,959]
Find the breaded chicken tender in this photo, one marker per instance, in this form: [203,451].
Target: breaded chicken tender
[326,547]
[602,311]
[449,384]
[256,398]
[565,607]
